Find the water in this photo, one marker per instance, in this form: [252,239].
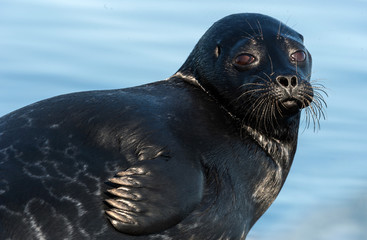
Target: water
[49,48]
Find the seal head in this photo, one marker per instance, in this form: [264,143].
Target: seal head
[257,68]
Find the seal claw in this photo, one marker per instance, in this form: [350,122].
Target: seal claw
[132,171]
[124,193]
[123,205]
[120,216]
[125,181]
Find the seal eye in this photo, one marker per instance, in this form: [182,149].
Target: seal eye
[244,59]
[299,56]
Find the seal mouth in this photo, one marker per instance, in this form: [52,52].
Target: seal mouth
[291,105]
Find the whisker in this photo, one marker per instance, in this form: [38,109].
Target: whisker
[314,98]
[318,97]
[318,106]
[314,115]
[249,92]
[321,90]
[256,108]
[263,114]
[260,30]
[267,76]
[271,66]
[279,29]
[296,68]
[249,36]
[307,111]
[252,84]
[269,116]
[307,119]
[278,108]
[253,30]
[262,110]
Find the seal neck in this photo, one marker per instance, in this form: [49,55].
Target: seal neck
[193,80]
[281,152]
[280,144]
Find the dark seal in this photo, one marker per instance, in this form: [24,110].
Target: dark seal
[201,155]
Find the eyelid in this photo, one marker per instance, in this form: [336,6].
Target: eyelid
[244,59]
[298,56]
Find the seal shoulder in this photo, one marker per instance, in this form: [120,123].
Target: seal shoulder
[156,184]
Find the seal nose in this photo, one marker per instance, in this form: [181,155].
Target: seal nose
[287,81]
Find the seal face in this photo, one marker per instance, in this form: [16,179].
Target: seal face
[258,69]
[201,155]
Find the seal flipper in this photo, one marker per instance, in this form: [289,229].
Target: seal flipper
[151,198]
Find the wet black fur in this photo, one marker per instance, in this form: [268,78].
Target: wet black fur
[201,155]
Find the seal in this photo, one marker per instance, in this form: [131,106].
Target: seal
[200,155]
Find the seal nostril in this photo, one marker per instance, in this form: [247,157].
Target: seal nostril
[294,81]
[287,81]
[283,81]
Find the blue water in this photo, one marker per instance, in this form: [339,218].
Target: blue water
[53,47]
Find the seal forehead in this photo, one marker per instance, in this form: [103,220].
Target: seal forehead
[253,25]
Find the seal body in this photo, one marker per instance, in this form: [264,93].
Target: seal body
[201,155]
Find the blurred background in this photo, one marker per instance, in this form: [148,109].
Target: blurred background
[49,48]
